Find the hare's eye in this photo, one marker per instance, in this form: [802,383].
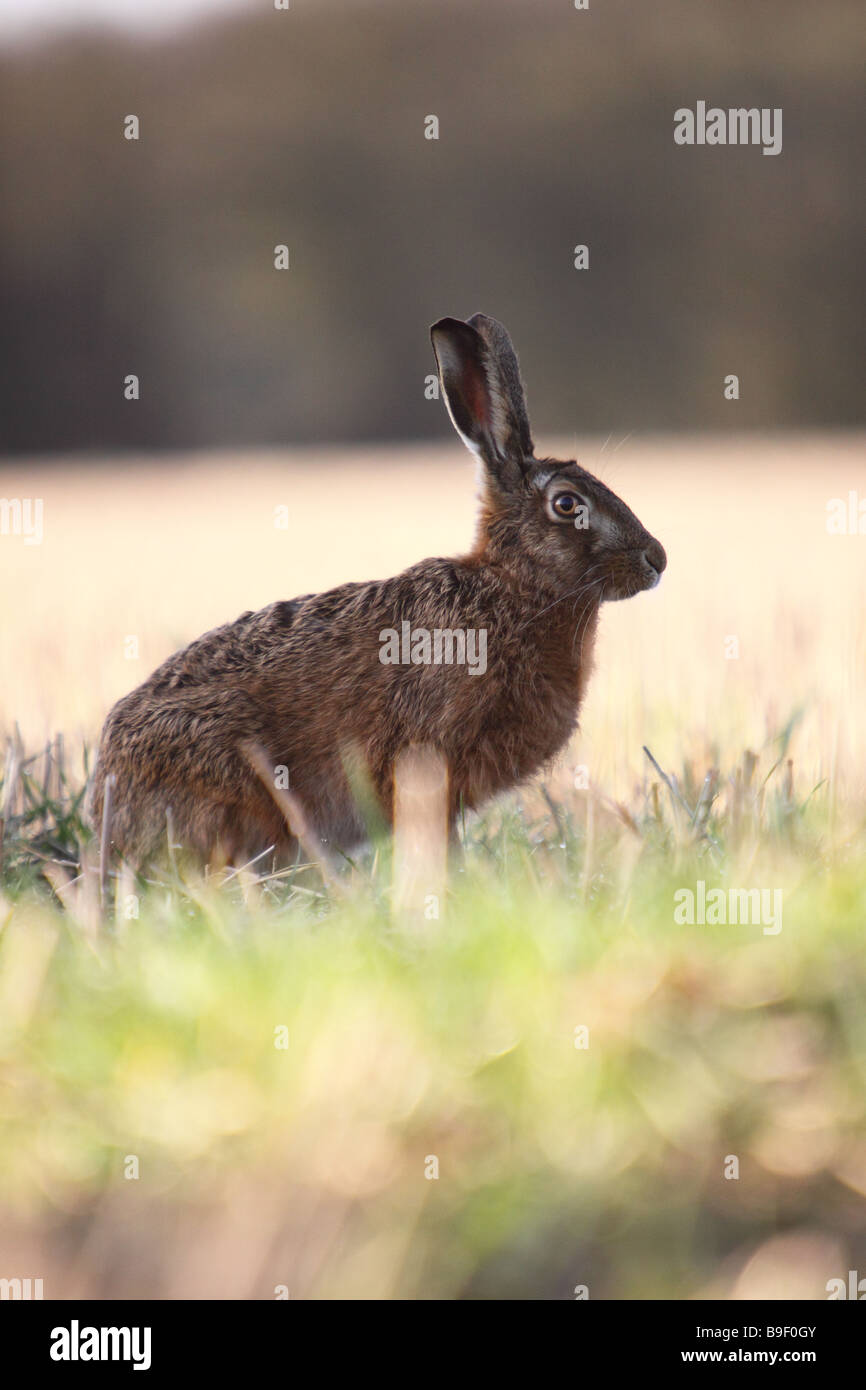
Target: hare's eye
[565,504]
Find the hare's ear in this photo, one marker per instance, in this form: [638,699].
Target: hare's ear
[484,394]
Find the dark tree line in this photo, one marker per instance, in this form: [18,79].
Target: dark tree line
[155,257]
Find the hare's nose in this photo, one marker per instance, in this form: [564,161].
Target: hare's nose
[654,556]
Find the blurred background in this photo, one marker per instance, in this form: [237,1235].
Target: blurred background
[306,128]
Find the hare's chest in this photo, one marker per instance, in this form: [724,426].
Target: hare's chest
[543,731]
[548,695]
[522,731]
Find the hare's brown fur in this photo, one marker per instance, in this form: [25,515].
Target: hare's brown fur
[303,679]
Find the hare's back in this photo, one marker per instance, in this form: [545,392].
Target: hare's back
[251,641]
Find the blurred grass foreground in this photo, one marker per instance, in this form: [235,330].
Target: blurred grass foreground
[534,1080]
[540,1083]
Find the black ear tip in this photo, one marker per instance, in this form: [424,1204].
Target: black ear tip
[447,325]
[456,338]
[480,322]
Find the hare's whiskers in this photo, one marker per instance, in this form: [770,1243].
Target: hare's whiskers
[583,585]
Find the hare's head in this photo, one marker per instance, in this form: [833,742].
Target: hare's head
[555,516]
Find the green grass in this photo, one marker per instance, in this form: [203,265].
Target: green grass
[153,1036]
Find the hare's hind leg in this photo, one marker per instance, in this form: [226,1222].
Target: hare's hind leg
[180,776]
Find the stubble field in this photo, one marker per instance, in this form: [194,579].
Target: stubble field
[555,1085]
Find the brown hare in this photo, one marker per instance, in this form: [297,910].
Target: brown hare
[484,658]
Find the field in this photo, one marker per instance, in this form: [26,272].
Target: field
[237,1089]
